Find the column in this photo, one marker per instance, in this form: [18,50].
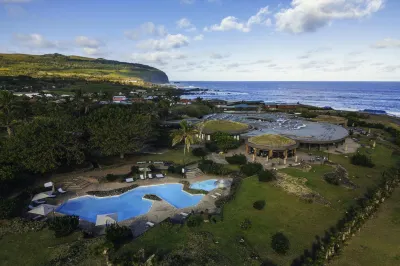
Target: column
[247,148]
[295,159]
[254,154]
[285,154]
[270,154]
[294,152]
[267,158]
[309,146]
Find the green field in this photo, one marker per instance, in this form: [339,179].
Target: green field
[378,241]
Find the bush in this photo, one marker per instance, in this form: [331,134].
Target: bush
[362,160]
[308,115]
[118,235]
[250,169]
[280,243]
[239,159]
[199,152]
[266,176]
[64,225]
[8,208]
[194,221]
[111,177]
[152,167]
[135,170]
[225,141]
[234,188]
[171,169]
[212,146]
[246,224]
[209,167]
[152,197]
[259,204]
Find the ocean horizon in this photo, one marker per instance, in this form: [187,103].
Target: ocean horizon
[340,95]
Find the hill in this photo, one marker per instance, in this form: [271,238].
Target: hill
[76,67]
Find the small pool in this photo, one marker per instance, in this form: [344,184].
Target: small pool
[130,204]
[206,185]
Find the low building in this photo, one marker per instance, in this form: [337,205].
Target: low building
[232,128]
[118,99]
[184,102]
[271,146]
[335,120]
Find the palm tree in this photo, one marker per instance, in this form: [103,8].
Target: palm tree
[185,134]
[7,108]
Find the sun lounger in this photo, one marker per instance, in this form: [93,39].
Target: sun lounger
[159,175]
[150,176]
[52,196]
[61,190]
[150,224]
[31,207]
[129,180]
[213,196]
[184,214]
[142,177]
[39,202]
[141,162]
[158,162]
[218,194]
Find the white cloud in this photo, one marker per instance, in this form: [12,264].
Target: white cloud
[187,2]
[87,42]
[387,43]
[219,56]
[199,37]
[310,15]
[169,42]
[146,29]
[160,58]
[185,23]
[93,51]
[35,40]
[15,1]
[233,23]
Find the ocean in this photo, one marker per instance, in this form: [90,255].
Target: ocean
[351,96]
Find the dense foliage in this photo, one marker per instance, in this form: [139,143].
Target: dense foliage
[224,141]
[194,221]
[64,225]
[266,176]
[199,152]
[362,159]
[239,159]
[209,167]
[280,243]
[118,235]
[259,204]
[250,169]
[235,185]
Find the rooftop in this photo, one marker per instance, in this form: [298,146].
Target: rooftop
[225,126]
[272,140]
[330,119]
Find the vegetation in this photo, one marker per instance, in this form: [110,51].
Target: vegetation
[185,134]
[118,235]
[209,167]
[266,176]
[152,197]
[224,126]
[64,225]
[186,187]
[193,110]
[245,224]
[239,159]
[200,152]
[251,169]
[194,221]
[280,243]
[224,141]
[362,159]
[272,140]
[113,192]
[259,204]
[329,119]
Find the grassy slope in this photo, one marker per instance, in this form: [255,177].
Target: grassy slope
[72,66]
[378,241]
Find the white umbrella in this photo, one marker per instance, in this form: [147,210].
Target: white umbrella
[106,219]
[43,209]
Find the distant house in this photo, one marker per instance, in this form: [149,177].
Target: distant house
[217,102]
[184,102]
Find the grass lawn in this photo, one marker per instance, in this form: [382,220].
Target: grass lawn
[299,220]
[378,241]
[37,248]
[224,126]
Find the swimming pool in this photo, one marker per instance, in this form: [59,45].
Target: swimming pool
[206,185]
[130,204]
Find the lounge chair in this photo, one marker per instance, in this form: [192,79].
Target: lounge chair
[159,175]
[218,194]
[129,180]
[150,176]
[39,202]
[213,196]
[52,196]
[61,190]
[142,177]
[150,224]
[184,214]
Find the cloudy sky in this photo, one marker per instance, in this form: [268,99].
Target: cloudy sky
[216,39]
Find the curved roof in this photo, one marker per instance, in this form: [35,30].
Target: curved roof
[272,141]
[226,126]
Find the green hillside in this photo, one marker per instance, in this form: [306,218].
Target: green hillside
[76,67]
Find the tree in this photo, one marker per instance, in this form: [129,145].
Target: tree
[280,243]
[7,110]
[43,145]
[117,130]
[185,134]
[225,141]
[199,152]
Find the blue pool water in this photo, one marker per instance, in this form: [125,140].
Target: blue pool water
[207,185]
[129,204]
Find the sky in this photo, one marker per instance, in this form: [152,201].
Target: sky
[217,40]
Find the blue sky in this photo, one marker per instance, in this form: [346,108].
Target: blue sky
[216,39]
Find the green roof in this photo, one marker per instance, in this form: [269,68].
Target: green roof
[272,140]
[330,119]
[224,126]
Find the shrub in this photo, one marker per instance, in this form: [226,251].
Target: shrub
[212,146]
[266,176]
[152,167]
[246,224]
[134,169]
[111,177]
[225,141]
[152,197]
[280,243]
[250,169]
[199,152]
[194,221]
[171,169]
[209,167]
[308,115]
[8,208]
[64,225]
[118,235]
[239,159]
[362,160]
[259,204]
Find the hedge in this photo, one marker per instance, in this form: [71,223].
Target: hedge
[113,192]
[362,160]
[239,159]
[250,169]
[64,225]
[266,176]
